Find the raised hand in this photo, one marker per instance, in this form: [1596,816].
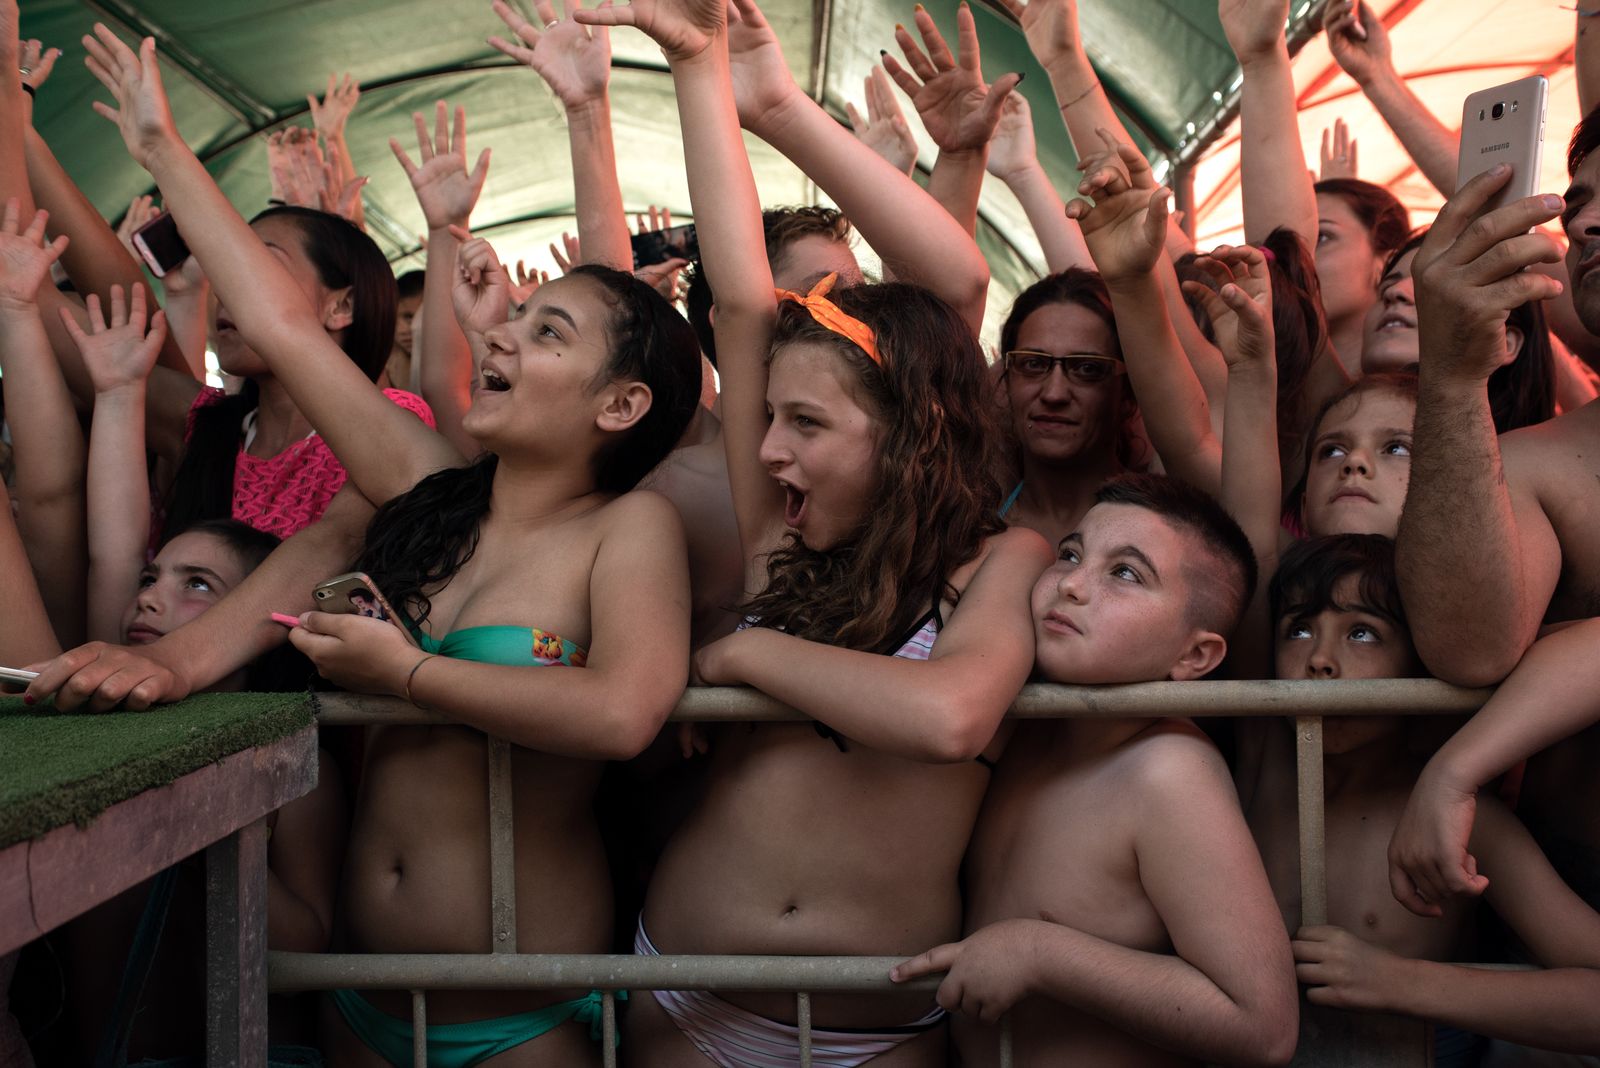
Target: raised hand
[141,209]
[333,111]
[118,354]
[24,259]
[762,84]
[1469,275]
[571,256]
[663,276]
[1126,225]
[526,284]
[296,167]
[683,28]
[1428,858]
[1254,28]
[573,59]
[37,63]
[1339,159]
[1012,149]
[1241,306]
[142,114]
[444,187]
[959,111]
[482,292]
[1051,27]
[1358,40]
[340,198]
[884,130]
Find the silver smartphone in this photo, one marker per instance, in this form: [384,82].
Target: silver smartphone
[1505,124]
[17,675]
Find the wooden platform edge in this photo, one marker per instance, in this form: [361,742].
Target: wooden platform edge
[47,881]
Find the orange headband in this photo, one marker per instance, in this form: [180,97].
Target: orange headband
[827,313]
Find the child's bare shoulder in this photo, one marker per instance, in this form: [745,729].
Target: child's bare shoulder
[1172,762]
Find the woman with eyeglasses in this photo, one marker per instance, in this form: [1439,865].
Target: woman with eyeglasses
[1073,419]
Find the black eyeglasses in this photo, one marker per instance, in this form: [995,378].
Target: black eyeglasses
[1084,368]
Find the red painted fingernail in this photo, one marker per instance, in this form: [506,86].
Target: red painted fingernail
[27,698]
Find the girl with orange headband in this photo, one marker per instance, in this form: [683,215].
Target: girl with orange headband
[883,600]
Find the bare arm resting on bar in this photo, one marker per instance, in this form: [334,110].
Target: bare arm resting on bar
[232,632]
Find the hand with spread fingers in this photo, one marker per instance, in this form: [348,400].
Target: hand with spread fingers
[1125,225]
[663,276]
[482,292]
[330,114]
[445,189]
[1241,306]
[1012,149]
[1471,272]
[37,63]
[25,257]
[569,255]
[958,109]
[573,59]
[1339,153]
[142,114]
[683,28]
[296,167]
[884,128]
[118,352]
[987,971]
[527,284]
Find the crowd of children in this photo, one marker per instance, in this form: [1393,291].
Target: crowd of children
[1343,450]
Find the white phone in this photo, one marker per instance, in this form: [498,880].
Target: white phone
[1505,124]
[17,675]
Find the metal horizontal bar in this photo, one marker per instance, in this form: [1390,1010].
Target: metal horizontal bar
[1298,697]
[289,972]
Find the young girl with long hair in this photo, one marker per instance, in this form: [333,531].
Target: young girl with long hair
[884,601]
[535,557]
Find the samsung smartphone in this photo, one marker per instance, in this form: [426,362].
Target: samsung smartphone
[1505,125]
[17,675]
[659,246]
[355,594]
[162,247]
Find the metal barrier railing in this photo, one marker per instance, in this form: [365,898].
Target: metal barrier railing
[504,968]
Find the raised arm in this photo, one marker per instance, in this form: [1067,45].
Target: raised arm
[119,355]
[1476,558]
[44,425]
[329,116]
[1014,160]
[884,129]
[447,193]
[958,110]
[233,632]
[575,61]
[1360,45]
[1275,183]
[1126,232]
[916,238]
[383,446]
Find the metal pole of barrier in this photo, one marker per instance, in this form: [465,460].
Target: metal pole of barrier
[608,1029]
[1005,1041]
[1313,838]
[802,1019]
[502,849]
[1223,697]
[419,1029]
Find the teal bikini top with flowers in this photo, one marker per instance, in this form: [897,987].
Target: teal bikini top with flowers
[514,646]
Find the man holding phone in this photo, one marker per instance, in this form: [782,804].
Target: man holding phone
[1500,536]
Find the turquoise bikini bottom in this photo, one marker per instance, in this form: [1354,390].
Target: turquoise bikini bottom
[461,1045]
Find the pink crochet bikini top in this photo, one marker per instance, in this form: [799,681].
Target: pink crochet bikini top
[285,493]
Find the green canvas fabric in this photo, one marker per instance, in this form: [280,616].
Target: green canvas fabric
[58,768]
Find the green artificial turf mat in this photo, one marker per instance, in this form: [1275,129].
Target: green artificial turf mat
[58,768]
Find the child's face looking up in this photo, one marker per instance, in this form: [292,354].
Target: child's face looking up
[1345,640]
[191,573]
[821,446]
[1115,607]
[1360,466]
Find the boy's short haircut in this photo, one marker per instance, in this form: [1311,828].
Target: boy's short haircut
[780,228]
[1223,584]
[1311,570]
[410,284]
[249,545]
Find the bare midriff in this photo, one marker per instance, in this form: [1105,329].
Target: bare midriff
[417,873]
[801,849]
